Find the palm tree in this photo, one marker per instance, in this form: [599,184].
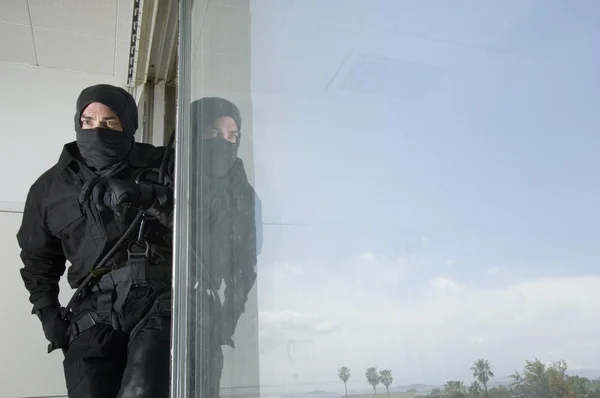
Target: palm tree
[482,371]
[385,376]
[372,378]
[475,389]
[455,389]
[344,375]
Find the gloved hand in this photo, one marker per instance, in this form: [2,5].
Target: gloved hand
[220,326]
[234,310]
[114,194]
[225,334]
[55,328]
[228,325]
[111,193]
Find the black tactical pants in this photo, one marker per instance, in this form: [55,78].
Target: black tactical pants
[102,362]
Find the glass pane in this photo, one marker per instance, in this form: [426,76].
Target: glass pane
[414,185]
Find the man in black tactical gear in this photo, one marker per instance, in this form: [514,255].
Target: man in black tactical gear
[103,208]
[223,234]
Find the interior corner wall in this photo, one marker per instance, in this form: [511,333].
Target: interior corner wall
[170,111]
[37,106]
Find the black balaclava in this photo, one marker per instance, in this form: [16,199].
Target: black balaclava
[101,148]
[218,155]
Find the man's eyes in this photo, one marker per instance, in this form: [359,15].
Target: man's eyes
[88,122]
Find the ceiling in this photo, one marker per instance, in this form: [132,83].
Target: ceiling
[373,47]
[307,46]
[86,36]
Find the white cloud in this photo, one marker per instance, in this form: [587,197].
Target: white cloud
[367,256]
[493,271]
[292,269]
[295,321]
[450,263]
[428,331]
[476,340]
[445,285]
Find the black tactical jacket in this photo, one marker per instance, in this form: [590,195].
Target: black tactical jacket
[224,238]
[56,228]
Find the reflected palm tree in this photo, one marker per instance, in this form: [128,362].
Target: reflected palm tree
[385,376]
[373,378]
[455,389]
[475,389]
[482,371]
[344,375]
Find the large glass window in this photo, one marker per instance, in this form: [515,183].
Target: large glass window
[388,197]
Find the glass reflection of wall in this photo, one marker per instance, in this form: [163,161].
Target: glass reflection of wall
[224,213]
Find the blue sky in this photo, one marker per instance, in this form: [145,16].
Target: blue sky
[449,213]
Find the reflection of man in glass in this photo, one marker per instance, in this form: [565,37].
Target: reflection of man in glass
[223,232]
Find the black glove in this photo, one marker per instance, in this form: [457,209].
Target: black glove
[55,327]
[228,325]
[225,335]
[220,328]
[114,194]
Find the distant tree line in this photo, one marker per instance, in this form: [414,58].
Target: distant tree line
[373,376]
[536,380]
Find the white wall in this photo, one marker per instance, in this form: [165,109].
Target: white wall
[37,106]
[27,370]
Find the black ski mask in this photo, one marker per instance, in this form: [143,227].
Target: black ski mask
[217,154]
[101,148]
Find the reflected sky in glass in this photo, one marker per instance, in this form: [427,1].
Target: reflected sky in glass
[428,176]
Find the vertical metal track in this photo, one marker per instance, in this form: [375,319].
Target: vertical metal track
[181,259]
